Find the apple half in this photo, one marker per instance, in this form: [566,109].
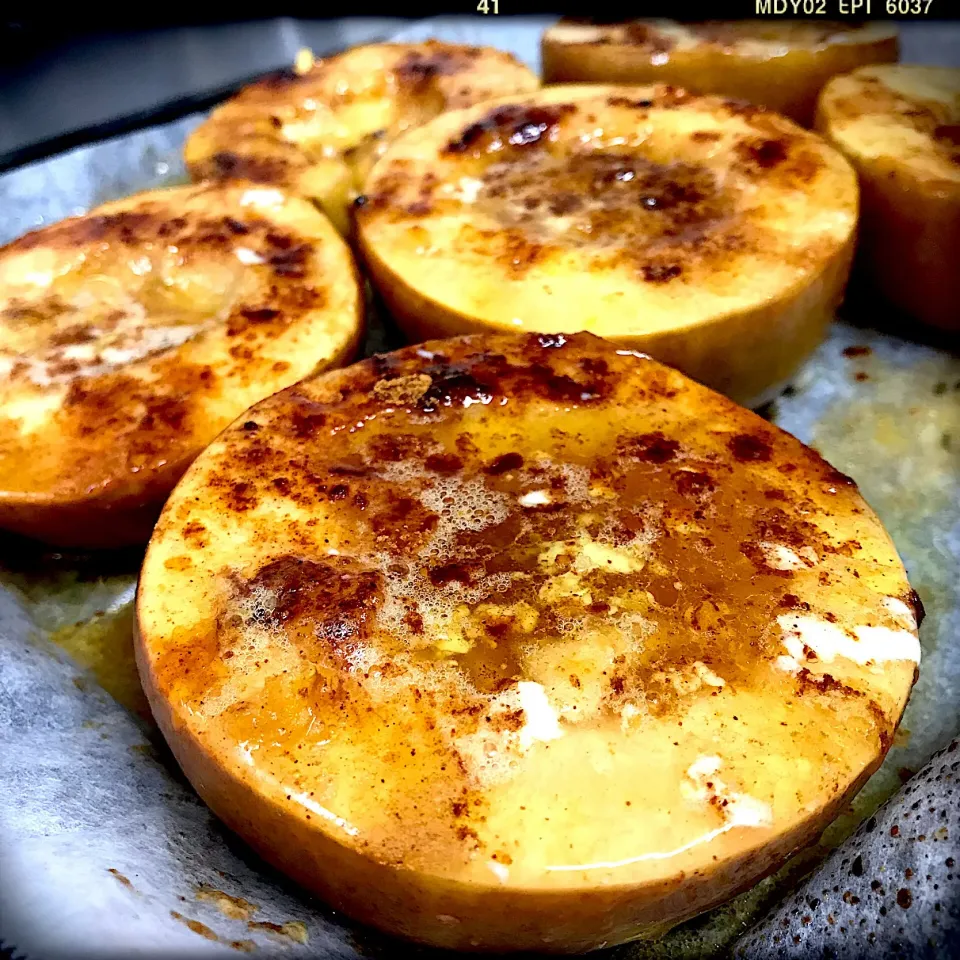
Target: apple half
[522,642]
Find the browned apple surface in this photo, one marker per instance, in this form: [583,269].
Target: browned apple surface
[129,337]
[781,64]
[715,236]
[319,128]
[899,125]
[521,641]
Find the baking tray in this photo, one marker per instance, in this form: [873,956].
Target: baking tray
[105,850]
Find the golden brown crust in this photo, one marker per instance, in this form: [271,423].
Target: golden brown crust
[900,128]
[319,131]
[450,574]
[131,335]
[781,65]
[713,234]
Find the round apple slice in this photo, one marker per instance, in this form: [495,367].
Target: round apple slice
[131,336]
[521,642]
[899,126]
[714,236]
[318,128]
[781,64]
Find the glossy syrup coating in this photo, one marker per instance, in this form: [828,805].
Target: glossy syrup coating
[522,641]
[319,130]
[899,125]
[713,235]
[130,336]
[780,64]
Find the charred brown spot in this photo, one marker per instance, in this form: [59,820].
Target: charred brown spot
[403,522]
[948,136]
[765,154]
[47,309]
[628,104]
[832,475]
[446,463]
[239,496]
[747,447]
[594,365]
[395,447]
[563,204]
[657,217]
[338,599]
[260,314]
[419,68]
[83,333]
[258,169]
[948,133]
[194,533]
[786,158]
[782,526]
[291,257]
[913,600]
[146,414]
[824,683]
[235,226]
[453,386]
[693,483]
[520,253]
[661,272]
[504,464]
[651,447]
[306,419]
[169,411]
[516,125]
[125,226]
[451,573]
[562,388]
[467,834]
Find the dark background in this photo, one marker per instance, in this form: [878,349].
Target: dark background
[78,72]
[31,29]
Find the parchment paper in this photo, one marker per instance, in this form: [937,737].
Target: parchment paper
[106,851]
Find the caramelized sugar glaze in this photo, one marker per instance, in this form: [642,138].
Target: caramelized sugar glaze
[571,169]
[319,130]
[130,336]
[711,234]
[522,619]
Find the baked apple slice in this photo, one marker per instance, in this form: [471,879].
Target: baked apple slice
[781,64]
[131,336]
[900,128]
[715,236]
[521,642]
[317,129]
